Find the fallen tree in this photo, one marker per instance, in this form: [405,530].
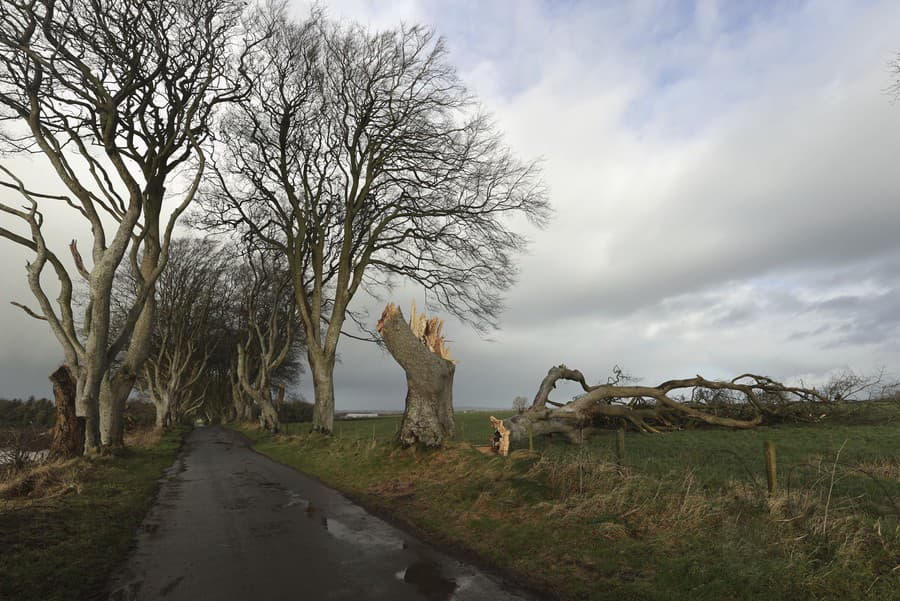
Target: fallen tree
[654,408]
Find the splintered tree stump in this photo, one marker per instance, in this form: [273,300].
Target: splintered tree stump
[500,439]
[68,432]
[420,350]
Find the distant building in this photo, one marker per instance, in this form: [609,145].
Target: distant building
[359,415]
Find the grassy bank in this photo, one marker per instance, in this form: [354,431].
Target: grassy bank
[688,516]
[64,527]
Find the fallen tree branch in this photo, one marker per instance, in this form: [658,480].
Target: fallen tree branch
[659,411]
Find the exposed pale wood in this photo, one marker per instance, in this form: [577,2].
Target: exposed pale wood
[501,446]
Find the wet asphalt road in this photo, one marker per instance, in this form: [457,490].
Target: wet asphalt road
[230,524]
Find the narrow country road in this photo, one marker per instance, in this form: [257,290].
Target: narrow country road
[230,524]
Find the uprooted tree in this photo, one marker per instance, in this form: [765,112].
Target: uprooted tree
[654,408]
[418,346]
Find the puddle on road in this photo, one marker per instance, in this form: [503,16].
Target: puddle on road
[372,535]
[426,577]
[295,499]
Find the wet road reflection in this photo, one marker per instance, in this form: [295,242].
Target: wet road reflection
[230,524]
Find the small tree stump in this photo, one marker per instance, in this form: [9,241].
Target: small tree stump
[500,442]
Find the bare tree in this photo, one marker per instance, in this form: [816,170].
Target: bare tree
[371,161]
[191,303]
[851,386]
[270,334]
[520,404]
[118,97]
[893,88]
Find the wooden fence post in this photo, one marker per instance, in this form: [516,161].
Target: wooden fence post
[771,466]
[620,447]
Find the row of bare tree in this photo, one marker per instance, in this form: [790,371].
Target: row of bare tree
[225,334]
[339,159]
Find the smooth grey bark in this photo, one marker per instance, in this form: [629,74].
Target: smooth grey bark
[162,404]
[322,368]
[120,381]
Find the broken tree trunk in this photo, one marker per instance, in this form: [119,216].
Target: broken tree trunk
[647,408]
[420,350]
[500,439]
[68,432]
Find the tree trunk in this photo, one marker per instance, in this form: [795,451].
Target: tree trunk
[323,389]
[241,404]
[162,405]
[117,386]
[268,415]
[428,416]
[68,432]
[87,406]
[113,395]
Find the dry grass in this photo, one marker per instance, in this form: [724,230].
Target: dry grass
[143,437]
[44,481]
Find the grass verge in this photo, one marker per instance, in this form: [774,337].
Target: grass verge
[64,527]
[687,517]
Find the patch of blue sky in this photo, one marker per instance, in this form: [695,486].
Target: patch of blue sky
[747,50]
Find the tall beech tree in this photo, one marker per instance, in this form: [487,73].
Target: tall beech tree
[362,158]
[118,97]
[225,334]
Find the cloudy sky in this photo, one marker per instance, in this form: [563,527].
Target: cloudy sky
[726,185]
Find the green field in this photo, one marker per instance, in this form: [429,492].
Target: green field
[687,516]
[471,426]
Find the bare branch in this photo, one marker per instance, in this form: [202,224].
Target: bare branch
[79,262]
[27,310]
